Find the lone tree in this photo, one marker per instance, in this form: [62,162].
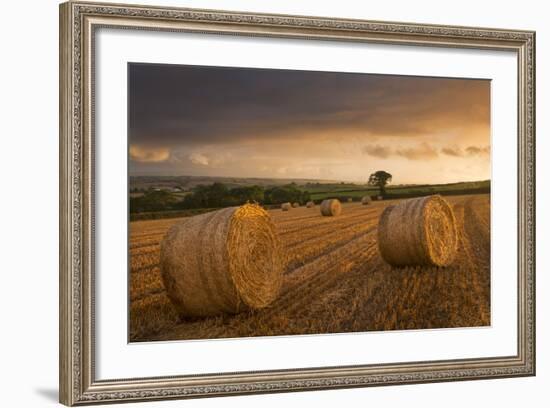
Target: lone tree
[380,179]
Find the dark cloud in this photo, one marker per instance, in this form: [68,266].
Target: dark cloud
[420,152]
[454,151]
[478,151]
[381,152]
[173,105]
[468,151]
[265,122]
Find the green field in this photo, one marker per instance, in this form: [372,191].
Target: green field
[163,201]
[322,191]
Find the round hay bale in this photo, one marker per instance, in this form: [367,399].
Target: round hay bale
[366,200]
[286,206]
[310,204]
[331,207]
[224,261]
[295,205]
[420,231]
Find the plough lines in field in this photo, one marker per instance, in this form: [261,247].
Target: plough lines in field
[313,278]
[317,222]
[334,281]
[305,253]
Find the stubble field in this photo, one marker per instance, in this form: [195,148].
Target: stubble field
[335,280]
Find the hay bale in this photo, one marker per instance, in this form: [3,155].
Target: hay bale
[366,200]
[350,200]
[331,207]
[310,204]
[380,198]
[295,205]
[224,261]
[286,206]
[420,231]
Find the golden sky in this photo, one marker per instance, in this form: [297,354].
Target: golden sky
[238,122]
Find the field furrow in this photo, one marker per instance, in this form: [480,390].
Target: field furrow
[146,243]
[316,221]
[335,280]
[138,262]
[309,290]
[305,250]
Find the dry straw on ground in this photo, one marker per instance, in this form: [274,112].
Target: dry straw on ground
[419,231]
[366,200]
[295,205]
[331,207]
[286,206]
[310,204]
[222,262]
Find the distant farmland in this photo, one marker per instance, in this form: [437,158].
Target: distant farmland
[335,280]
[316,190]
[322,191]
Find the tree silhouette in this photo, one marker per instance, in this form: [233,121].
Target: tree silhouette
[380,179]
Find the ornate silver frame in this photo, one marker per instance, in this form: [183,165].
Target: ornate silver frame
[78,22]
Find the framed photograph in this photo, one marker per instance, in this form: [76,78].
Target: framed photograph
[258,203]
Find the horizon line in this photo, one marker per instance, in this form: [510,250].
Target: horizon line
[302,179]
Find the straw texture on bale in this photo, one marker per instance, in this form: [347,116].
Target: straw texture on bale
[295,205]
[366,200]
[420,231]
[286,206]
[224,261]
[310,204]
[331,207]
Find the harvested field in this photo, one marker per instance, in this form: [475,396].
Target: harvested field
[334,279]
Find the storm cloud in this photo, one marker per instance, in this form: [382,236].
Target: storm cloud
[452,151]
[193,119]
[382,152]
[455,151]
[422,151]
[478,151]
